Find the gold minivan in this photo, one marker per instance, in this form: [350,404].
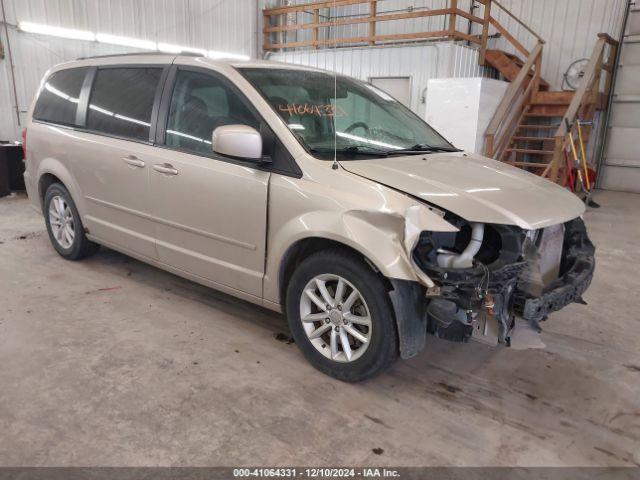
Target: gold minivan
[306,193]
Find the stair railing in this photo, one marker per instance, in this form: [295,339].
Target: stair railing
[587,98]
[309,21]
[489,19]
[279,21]
[513,105]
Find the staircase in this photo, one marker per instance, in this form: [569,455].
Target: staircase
[529,129]
[532,144]
[509,66]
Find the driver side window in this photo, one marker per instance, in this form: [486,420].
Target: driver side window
[201,103]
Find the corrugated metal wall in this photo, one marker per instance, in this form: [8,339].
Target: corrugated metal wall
[225,25]
[568,26]
[418,62]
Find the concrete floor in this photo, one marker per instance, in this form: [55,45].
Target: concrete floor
[112,362]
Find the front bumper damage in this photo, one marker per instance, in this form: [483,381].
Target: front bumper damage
[497,288]
[579,265]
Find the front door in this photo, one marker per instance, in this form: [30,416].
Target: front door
[210,211]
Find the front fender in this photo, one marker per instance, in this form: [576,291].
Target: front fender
[385,239]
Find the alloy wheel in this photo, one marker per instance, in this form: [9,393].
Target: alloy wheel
[335,318]
[61,221]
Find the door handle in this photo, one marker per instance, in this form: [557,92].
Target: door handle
[165,168]
[133,161]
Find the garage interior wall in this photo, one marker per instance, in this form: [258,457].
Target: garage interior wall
[569,27]
[228,26]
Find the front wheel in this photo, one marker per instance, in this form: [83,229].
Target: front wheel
[340,316]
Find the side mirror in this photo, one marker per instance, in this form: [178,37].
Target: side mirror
[238,141]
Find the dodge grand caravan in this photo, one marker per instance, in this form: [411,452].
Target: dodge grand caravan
[331,202]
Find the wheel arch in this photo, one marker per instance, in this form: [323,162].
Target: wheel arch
[307,246]
[406,297]
[51,171]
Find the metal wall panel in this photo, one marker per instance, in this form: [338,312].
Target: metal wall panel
[419,62]
[225,25]
[621,159]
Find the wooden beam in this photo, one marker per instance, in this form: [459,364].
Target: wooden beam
[587,80]
[373,12]
[524,25]
[498,26]
[266,37]
[469,16]
[558,158]
[608,38]
[354,21]
[367,39]
[311,6]
[316,20]
[485,32]
[453,18]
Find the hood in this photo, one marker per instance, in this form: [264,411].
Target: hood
[475,188]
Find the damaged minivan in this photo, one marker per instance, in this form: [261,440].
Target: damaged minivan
[314,195]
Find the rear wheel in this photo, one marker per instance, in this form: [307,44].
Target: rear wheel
[340,316]
[64,226]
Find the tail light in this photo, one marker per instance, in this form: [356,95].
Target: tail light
[24,142]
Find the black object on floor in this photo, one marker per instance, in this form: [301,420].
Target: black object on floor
[11,168]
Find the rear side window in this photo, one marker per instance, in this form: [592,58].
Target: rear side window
[122,100]
[58,100]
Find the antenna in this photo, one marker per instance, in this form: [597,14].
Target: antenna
[334,166]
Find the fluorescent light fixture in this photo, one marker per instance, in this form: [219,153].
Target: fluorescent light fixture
[169,48]
[296,126]
[126,41]
[233,56]
[56,31]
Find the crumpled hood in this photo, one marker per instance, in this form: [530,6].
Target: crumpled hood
[475,188]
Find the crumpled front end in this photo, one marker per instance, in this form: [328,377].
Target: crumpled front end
[487,275]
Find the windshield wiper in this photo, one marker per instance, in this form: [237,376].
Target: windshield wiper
[355,150]
[423,147]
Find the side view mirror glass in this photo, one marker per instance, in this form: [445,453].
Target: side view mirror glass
[238,141]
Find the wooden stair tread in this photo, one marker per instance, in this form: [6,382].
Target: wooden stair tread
[535,139]
[528,164]
[539,127]
[530,150]
[542,114]
[553,98]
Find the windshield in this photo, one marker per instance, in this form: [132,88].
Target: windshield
[367,122]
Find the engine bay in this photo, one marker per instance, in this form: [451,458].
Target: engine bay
[486,275]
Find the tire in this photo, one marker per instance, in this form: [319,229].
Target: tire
[72,244]
[328,268]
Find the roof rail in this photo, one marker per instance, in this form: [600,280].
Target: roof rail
[189,54]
